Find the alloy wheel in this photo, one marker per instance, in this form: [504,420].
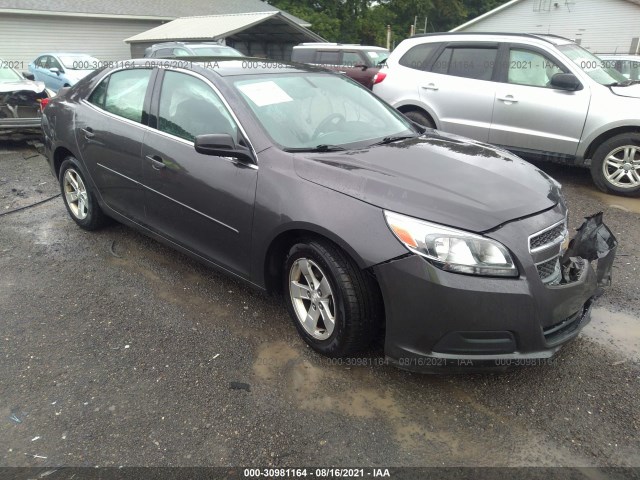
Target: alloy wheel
[312,298]
[621,167]
[75,194]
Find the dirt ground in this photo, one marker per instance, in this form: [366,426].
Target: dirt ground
[118,351]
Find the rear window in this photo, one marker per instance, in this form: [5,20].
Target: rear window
[418,56]
[122,93]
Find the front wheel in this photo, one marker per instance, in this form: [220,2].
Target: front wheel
[615,166]
[80,201]
[334,305]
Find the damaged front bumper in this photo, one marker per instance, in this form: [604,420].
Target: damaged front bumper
[439,319]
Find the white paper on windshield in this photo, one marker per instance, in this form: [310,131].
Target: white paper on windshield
[265,93]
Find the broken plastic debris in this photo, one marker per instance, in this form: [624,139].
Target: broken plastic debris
[594,241]
[240,386]
[14,418]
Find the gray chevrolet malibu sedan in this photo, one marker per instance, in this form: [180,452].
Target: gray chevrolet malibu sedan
[302,183]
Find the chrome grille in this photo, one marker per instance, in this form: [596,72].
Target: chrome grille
[548,237]
[549,270]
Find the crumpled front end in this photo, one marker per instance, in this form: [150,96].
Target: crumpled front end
[20,109]
[436,318]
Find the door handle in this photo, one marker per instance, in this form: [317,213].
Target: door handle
[88,132]
[157,163]
[431,86]
[508,99]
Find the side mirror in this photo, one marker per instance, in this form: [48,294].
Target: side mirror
[55,70]
[221,145]
[566,81]
[28,75]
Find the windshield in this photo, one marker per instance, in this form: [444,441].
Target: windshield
[307,110]
[627,67]
[9,75]
[78,62]
[214,51]
[591,65]
[378,56]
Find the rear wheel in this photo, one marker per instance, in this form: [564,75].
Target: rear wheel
[80,201]
[334,305]
[420,118]
[615,166]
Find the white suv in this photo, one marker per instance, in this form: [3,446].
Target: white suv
[540,96]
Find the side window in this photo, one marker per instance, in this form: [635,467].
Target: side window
[189,107]
[46,62]
[180,52]
[99,93]
[418,56]
[122,93]
[40,62]
[163,52]
[531,68]
[351,59]
[327,57]
[302,55]
[53,63]
[441,65]
[476,63]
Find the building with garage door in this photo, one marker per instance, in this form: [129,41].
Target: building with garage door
[601,26]
[99,28]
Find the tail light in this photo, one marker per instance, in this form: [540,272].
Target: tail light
[379,77]
[44,102]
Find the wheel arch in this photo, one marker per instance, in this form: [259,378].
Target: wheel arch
[603,137]
[59,154]
[410,107]
[281,243]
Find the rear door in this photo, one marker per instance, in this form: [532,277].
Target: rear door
[110,127]
[531,116]
[459,86]
[356,66]
[202,202]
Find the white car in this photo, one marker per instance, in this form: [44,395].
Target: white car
[541,96]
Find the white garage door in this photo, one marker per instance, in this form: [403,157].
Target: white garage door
[24,37]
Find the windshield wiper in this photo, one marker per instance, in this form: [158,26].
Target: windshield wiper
[317,148]
[396,138]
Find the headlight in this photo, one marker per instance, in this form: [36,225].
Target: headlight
[452,250]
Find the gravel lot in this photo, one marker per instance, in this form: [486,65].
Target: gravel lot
[116,350]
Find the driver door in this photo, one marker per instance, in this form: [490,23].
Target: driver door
[528,113]
[202,202]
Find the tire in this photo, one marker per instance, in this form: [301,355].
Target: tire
[620,155]
[83,208]
[353,299]
[420,118]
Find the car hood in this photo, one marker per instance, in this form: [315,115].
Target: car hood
[438,177]
[35,87]
[632,91]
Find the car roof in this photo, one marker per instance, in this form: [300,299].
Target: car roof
[546,37]
[233,66]
[339,46]
[62,54]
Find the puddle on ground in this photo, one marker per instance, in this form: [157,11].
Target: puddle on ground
[617,331]
[625,204]
[437,431]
